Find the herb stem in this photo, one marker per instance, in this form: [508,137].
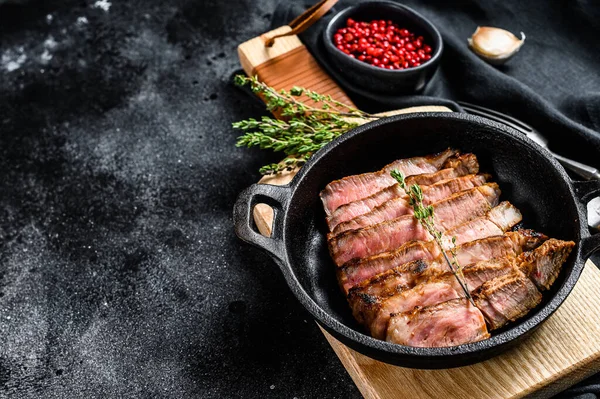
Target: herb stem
[303,129]
[425,216]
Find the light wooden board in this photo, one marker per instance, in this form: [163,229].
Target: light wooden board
[562,352]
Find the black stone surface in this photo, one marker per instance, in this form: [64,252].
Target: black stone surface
[120,274]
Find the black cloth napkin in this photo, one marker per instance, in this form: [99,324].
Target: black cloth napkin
[553,83]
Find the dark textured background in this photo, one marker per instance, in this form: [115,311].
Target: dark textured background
[120,275]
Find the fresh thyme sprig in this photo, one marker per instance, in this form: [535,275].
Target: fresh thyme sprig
[425,216]
[305,128]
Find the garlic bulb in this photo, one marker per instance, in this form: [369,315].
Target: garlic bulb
[495,45]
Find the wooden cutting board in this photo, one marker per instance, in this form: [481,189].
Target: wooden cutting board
[562,352]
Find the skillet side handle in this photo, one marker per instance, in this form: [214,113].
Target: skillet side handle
[275,196]
[585,191]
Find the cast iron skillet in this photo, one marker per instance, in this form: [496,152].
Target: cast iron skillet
[527,174]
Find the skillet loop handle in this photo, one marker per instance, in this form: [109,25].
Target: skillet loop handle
[585,191]
[275,196]
[589,245]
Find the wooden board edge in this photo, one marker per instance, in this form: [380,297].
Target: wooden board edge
[570,376]
[349,362]
[574,375]
[253,52]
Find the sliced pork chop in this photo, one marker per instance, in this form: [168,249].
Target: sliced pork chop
[394,271]
[465,205]
[475,274]
[389,235]
[359,207]
[449,323]
[543,264]
[462,163]
[512,243]
[466,166]
[355,272]
[376,316]
[373,311]
[352,188]
[506,298]
[397,207]
[498,220]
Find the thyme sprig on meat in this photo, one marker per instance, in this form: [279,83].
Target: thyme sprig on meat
[425,216]
[305,128]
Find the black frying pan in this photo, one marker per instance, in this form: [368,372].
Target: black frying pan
[527,174]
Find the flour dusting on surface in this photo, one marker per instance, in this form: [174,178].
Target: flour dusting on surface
[103,4]
[13,60]
[50,43]
[46,56]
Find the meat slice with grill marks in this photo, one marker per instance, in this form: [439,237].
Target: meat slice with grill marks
[512,243]
[506,298]
[466,163]
[374,310]
[537,250]
[498,220]
[388,273]
[449,323]
[357,270]
[462,165]
[397,207]
[352,188]
[376,316]
[390,269]
[544,263]
[389,235]
[475,274]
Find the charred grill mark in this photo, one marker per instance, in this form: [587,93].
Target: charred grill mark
[419,266]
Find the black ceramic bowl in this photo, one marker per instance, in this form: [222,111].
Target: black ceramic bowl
[527,174]
[373,78]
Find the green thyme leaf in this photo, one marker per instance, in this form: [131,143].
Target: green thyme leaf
[306,128]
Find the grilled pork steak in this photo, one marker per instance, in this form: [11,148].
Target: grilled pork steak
[352,188]
[376,316]
[461,163]
[544,263]
[466,165]
[449,323]
[391,234]
[385,274]
[511,243]
[372,306]
[397,207]
[475,274]
[359,270]
[495,222]
[374,310]
[506,298]
[398,282]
